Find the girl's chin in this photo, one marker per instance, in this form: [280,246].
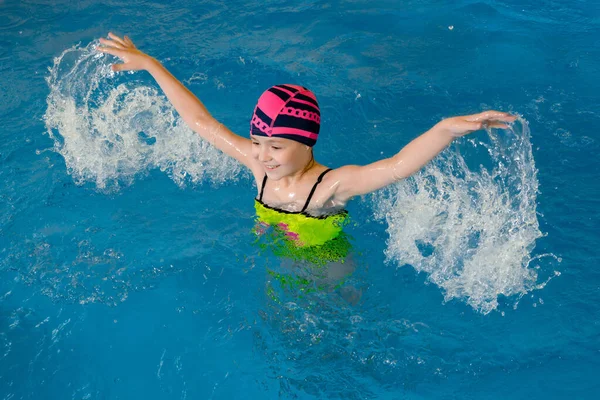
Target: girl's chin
[274,174]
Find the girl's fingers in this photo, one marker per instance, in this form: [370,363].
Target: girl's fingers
[110,50]
[497,125]
[117,67]
[491,117]
[128,41]
[116,39]
[493,114]
[111,43]
[501,116]
[504,117]
[486,115]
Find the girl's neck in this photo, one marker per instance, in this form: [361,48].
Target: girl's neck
[293,180]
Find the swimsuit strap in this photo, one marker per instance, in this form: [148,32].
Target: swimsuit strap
[264,182]
[314,188]
[262,188]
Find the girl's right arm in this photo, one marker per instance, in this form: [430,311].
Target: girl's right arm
[189,107]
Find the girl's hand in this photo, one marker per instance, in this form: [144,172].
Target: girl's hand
[460,126]
[133,59]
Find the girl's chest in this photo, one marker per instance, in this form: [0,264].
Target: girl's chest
[318,203]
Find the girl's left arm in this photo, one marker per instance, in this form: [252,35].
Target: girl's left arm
[354,180]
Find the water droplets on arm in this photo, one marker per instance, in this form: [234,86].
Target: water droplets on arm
[468,219]
[111,128]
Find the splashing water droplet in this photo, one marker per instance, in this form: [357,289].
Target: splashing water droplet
[472,230]
[110,128]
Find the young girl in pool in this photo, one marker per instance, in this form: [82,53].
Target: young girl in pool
[301,197]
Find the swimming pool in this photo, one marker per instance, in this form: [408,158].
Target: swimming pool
[128,266]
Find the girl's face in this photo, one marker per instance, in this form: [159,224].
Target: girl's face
[280,157]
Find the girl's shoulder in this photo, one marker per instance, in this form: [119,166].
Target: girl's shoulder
[341,182]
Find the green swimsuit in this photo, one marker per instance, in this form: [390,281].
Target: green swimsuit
[301,236]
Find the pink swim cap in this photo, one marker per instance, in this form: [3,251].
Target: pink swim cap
[289,112]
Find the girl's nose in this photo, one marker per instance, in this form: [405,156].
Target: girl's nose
[263,154]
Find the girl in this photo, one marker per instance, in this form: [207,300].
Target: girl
[300,196]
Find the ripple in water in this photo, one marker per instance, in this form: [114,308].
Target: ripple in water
[471,229]
[111,128]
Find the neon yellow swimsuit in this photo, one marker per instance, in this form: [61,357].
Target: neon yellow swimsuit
[301,236]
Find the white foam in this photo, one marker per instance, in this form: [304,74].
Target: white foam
[472,230]
[110,129]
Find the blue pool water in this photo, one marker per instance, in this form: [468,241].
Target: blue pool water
[128,266]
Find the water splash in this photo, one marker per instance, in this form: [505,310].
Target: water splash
[111,128]
[471,229]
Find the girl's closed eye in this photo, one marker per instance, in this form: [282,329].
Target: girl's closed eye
[275,147]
